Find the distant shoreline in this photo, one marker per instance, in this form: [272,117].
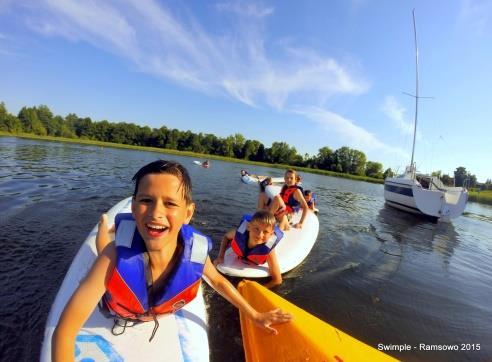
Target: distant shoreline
[191,154]
[483,197]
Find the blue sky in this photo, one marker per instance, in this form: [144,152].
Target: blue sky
[310,73]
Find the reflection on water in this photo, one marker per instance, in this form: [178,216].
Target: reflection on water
[382,275]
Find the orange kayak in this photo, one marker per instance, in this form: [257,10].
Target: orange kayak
[305,338]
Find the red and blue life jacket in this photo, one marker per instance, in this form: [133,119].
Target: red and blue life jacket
[259,253]
[127,288]
[287,194]
[312,201]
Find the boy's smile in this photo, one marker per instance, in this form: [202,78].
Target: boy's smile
[259,233]
[159,210]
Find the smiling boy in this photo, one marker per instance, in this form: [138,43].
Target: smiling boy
[161,208]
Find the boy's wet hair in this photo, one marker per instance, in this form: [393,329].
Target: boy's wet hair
[166,167]
[264,217]
[307,192]
[265,183]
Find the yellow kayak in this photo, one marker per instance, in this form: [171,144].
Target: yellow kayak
[306,338]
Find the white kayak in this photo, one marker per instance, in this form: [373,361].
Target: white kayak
[291,251]
[251,180]
[181,336]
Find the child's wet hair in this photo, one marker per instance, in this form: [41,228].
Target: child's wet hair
[307,192]
[265,183]
[166,167]
[264,217]
[292,171]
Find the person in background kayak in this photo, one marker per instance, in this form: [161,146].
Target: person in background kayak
[290,199]
[269,199]
[310,199]
[254,240]
[161,208]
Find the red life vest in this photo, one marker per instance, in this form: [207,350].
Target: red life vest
[287,194]
[127,292]
[259,253]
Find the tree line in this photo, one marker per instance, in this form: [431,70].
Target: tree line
[41,121]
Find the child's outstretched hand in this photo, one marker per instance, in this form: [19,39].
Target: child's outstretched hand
[267,319]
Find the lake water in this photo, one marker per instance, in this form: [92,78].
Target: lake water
[381,275]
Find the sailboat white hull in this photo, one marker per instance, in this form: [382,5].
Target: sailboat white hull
[436,201]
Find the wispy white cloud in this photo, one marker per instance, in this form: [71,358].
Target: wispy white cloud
[352,135]
[396,113]
[245,8]
[236,62]
[476,15]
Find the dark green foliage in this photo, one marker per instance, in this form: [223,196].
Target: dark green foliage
[374,169]
[41,121]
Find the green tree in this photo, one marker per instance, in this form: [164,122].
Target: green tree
[324,158]
[488,184]
[172,139]
[226,147]
[8,122]
[388,173]
[348,161]
[447,180]
[238,145]
[30,121]
[374,169]
[159,137]
[46,117]
[83,127]
[261,154]
[460,175]
[250,149]
[281,152]
[102,131]
[196,143]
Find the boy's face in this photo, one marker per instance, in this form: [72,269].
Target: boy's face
[290,178]
[308,197]
[160,210]
[259,232]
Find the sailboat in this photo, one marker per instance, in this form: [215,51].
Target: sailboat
[419,193]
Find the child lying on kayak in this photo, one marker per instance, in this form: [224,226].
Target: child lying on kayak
[161,208]
[254,240]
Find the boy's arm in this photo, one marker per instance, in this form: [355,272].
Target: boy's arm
[227,290]
[300,198]
[274,268]
[261,201]
[226,239]
[80,306]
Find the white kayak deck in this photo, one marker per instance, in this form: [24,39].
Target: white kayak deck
[180,337]
[291,251]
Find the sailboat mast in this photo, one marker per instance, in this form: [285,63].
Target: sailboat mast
[416,86]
